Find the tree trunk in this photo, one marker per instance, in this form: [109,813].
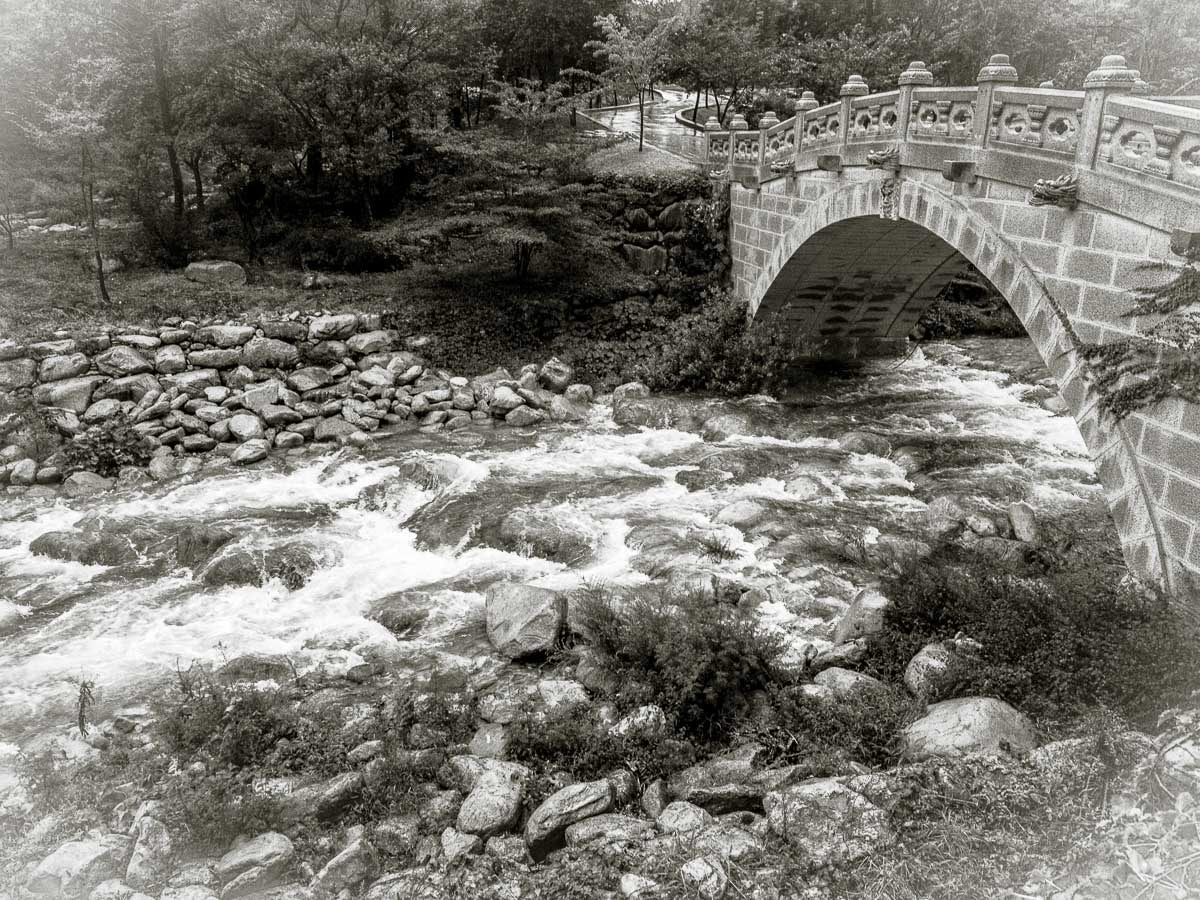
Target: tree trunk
[167,122]
[641,120]
[696,107]
[88,189]
[314,164]
[197,181]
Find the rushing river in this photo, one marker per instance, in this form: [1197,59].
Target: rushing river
[418,526]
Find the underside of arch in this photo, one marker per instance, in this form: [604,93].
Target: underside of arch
[861,277]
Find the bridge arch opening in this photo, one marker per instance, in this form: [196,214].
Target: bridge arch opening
[857,283]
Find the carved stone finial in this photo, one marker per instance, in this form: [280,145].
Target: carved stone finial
[1141,88]
[1062,191]
[713,124]
[768,120]
[854,87]
[888,158]
[1047,85]
[1112,74]
[806,102]
[998,68]
[917,74]
[738,123]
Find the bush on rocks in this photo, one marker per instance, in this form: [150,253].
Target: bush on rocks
[106,447]
[1051,643]
[698,659]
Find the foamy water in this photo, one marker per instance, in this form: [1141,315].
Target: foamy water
[414,520]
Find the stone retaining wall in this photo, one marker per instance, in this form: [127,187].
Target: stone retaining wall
[246,390]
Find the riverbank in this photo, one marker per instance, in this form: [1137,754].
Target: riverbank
[675,638]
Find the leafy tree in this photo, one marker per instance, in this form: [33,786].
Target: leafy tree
[636,56]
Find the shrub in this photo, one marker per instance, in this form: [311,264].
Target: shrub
[575,745]
[338,247]
[825,734]
[108,446]
[714,349]
[1053,643]
[216,807]
[700,660]
[25,424]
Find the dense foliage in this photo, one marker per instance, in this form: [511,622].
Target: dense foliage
[106,447]
[1054,643]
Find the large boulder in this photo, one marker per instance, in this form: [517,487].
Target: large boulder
[56,368]
[263,352]
[17,373]
[829,823]
[967,725]
[546,826]
[555,375]
[523,620]
[170,360]
[292,563]
[99,547]
[324,328]
[76,867]
[357,863]
[494,804]
[270,852]
[534,531]
[1023,520]
[609,828]
[86,484]
[863,617]
[74,394]
[215,271]
[121,360]
[151,860]
[196,543]
[933,672]
[371,342]
[129,387]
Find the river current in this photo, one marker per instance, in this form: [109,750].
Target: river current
[749,493]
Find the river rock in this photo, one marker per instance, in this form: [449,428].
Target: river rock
[490,740]
[371,342]
[865,442]
[23,472]
[845,684]
[525,417]
[246,427]
[357,863]
[324,328]
[325,800]
[332,429]
[555,375]
[101,410]
[611,828]
[705,876]
[264,352]
[121,360]
[1024,522]
[128,387]
[56,368]
[681,816]
[71,871]
[932,673]
[197,542]
[645,721]
[252,451]
[310,378]
[504,399]
[494,804]
[292,563]
[523,620]
[865,616]
[215,271]
[967,725]
[170,360]
[74,394]
[546,826]
[85,484]
[633,390]
[151,860]
[17,373]
[944,515]
[829,823]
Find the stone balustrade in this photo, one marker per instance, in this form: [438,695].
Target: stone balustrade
[1108,126]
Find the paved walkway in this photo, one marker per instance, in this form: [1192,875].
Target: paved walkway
[661,128]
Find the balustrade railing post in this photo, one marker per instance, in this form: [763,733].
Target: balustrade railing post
[804,105]
[997,73]
[736,124]
[1112,77]
[766,122]
[854,87]
[915,76]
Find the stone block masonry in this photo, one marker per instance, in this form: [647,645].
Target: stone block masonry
[248,389]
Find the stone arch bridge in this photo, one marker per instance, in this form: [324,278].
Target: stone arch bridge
[848,219]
